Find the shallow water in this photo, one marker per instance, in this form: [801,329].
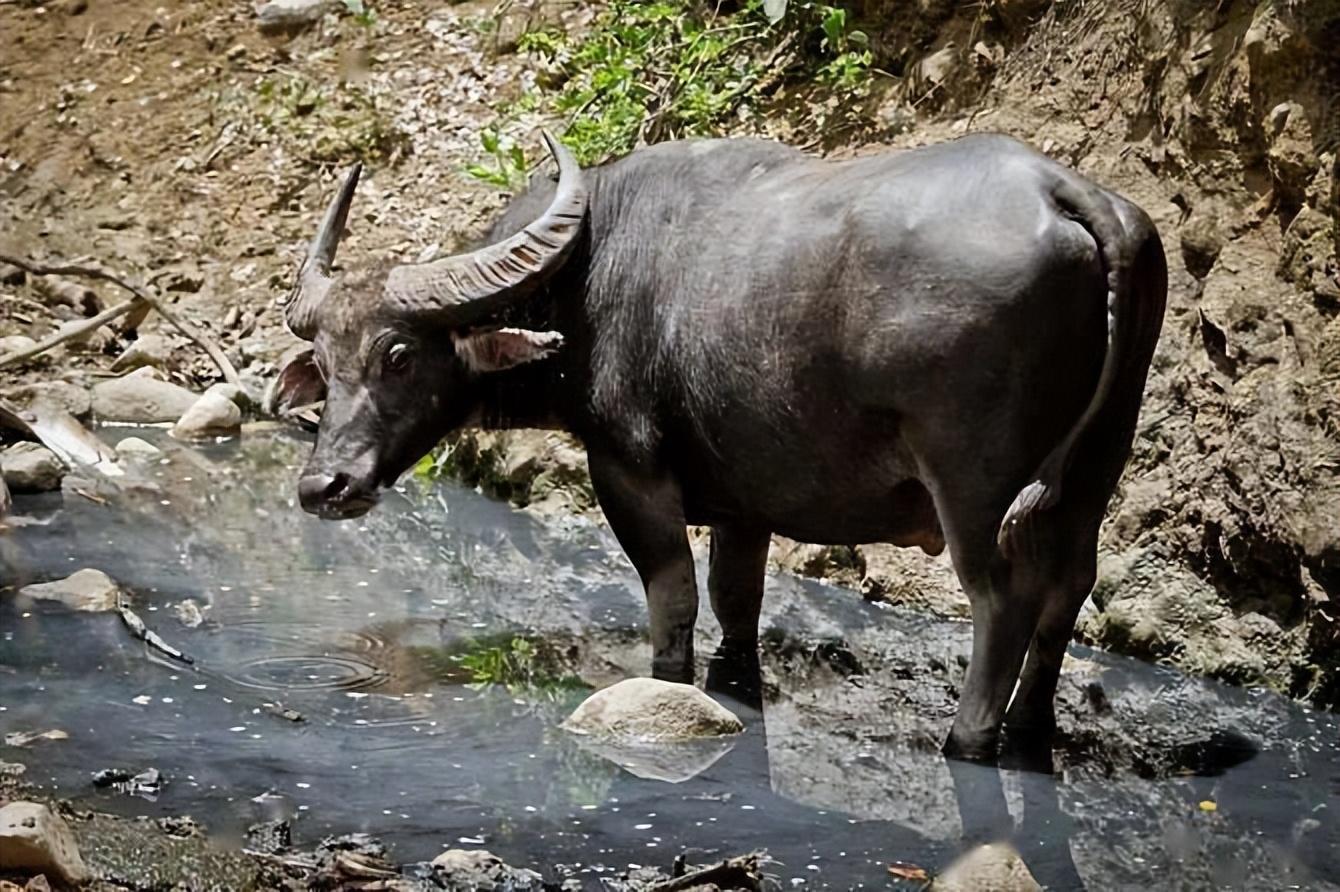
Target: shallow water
[358,627]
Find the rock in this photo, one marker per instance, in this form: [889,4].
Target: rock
[988,868]
[94,340]
[88,590]
[148,350]
[649,710]
[1202,243]
[269,837]
[136,446]
[16,344]
[34,839]
[291,16]
[141,398]
[55,394]
[30,467]
[481,869]
[71,294]
[11,275]
[215,414]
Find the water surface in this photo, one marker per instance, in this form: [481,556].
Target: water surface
[1164,781]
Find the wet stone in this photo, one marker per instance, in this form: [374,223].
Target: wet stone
[136,446]
[29,467]
[87,590]
[481,869]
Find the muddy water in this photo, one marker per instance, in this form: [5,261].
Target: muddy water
[1162,781]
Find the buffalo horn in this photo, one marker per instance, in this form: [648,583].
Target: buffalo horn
[467,288]
[314,275]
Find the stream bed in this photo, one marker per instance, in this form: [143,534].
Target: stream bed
[374,632]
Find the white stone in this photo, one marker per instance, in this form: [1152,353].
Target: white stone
[649,710]
[215,414]
[136,446]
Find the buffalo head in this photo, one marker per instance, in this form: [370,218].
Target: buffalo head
[397,350]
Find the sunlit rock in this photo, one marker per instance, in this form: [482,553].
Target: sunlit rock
[650,710]
[141,397]
[215,414]
[35,840]
[988,868]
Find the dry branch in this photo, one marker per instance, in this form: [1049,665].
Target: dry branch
[140,301]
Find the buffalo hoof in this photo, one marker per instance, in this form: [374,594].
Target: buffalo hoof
[980,749]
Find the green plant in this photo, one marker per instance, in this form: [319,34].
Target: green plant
[520,665]
[648,71]
[508,168]
[364,14]
[327,123]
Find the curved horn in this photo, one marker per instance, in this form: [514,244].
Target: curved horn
[314,275]
[468,287]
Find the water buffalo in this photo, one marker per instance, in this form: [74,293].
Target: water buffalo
[945,345]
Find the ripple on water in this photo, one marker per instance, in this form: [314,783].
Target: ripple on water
[315,672]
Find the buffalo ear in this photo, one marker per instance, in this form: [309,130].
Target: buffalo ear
[503,348]
[299,384]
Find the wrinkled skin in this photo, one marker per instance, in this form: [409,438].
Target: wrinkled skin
[939,347]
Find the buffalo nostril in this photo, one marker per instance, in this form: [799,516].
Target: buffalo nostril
[336,487]
[316,490]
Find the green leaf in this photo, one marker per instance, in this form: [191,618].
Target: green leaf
[774,10]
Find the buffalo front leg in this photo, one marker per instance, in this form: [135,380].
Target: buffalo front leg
[735,583]
[646,512]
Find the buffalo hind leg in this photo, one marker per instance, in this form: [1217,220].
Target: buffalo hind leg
[1006,603]
[735,583]
[1031,719]
[646,512]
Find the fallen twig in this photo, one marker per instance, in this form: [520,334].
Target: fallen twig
[141,299]
[70,333]
[149,636]
[733,873]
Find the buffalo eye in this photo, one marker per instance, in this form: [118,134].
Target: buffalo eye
[397,358]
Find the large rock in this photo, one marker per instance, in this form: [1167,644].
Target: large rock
[36,840]
[649,710]
[291,16]
[88,590]
[29,467]
[141,397]
[215,414]
[988,868]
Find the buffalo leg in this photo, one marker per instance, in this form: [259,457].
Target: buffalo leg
[1004,617]
[1032,713]
[646,512]
[735,583]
